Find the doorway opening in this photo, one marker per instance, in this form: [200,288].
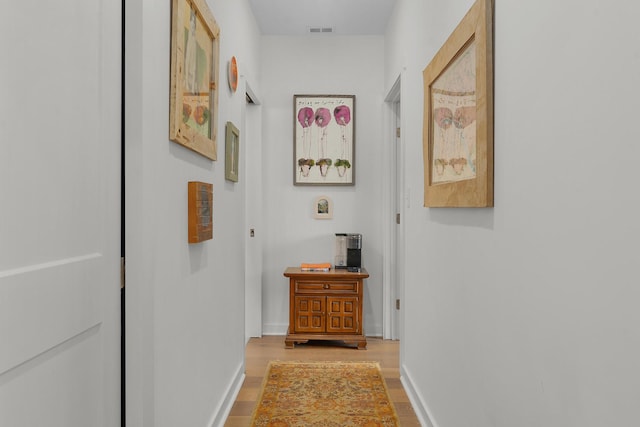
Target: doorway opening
[251,125]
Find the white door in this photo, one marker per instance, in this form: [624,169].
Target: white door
[60,213]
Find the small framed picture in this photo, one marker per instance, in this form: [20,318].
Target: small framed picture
[200,199]
[232,152]
[323,208]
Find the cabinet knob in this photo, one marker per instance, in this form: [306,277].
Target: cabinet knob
[326,286]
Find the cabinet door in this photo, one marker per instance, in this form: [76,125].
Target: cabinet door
[343,315]
[310,314]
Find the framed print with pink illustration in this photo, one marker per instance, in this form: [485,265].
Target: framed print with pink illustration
[458,115]
[324,139]
[193,112]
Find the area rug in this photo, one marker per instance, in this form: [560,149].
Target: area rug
[327,394]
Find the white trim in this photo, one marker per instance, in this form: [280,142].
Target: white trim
[275,329]
[46,265]
[221,413]
[249,91]
[394,92]
[387,213]
[424,414]
[251,155]
[404,205]
[389,296]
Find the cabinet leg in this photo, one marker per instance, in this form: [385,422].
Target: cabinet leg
[290,343]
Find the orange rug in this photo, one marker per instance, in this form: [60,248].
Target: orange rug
[327,394]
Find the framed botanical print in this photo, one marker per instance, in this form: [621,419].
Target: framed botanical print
[195,48]
[232,152]
[458,115]
[324,139]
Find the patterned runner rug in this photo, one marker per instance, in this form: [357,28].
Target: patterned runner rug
[327,394]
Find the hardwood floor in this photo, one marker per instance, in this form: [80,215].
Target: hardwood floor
[262,350]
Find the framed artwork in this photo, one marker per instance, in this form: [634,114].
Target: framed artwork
[195,49]
[232,152]
[324,139]
[458,115]
[323,208]
[200,208]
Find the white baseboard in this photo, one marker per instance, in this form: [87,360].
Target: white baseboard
[221,413]
[417,401]
[275,329]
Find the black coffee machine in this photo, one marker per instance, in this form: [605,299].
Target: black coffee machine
[348,251]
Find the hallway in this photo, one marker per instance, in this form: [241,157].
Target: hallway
[262,350]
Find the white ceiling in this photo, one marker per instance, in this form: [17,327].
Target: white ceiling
[345,17]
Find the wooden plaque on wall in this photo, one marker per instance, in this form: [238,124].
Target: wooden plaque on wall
[200,211]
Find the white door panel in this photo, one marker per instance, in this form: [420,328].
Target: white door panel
[60,213]
[47,305]
[36,394]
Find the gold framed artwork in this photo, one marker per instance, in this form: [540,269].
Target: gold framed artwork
[195,56]
[232,152]
[324,139]
[458,115]
[323,207]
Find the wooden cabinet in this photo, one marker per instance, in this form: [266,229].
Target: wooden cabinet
[325,306]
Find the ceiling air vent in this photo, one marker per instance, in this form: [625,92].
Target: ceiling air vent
[317,30]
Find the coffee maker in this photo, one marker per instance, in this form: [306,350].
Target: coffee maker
[348,251]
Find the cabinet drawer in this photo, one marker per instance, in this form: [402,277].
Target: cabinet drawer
[329,286]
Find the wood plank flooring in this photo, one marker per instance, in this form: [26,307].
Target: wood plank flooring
[260,351]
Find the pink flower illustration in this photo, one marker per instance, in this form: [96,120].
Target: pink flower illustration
[443,117]
[342,113]
[464,116]
[323,117]
[305,117]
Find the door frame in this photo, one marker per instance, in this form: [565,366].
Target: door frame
[393,235]
[252,142]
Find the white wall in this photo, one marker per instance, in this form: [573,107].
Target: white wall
[526,314]
[330,65]
[185,303]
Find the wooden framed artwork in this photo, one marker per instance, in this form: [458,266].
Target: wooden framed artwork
[458,115]
[232,152]
[195,55]
[200,211]
[324,139]
[323,208]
